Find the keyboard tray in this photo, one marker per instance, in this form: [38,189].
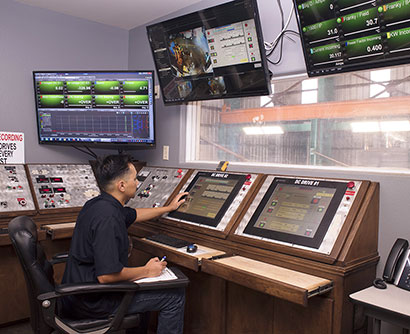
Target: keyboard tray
[168,240]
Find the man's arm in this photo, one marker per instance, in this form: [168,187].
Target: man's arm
[152,268]
[144,214]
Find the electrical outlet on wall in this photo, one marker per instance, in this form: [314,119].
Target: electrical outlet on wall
[157,92]
[165,152]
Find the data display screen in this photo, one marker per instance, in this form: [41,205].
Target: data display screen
[347,35]
[297,210]
[210,195]
[215,53]
[95,107]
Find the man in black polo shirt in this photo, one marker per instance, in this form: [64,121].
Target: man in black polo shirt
[99,250]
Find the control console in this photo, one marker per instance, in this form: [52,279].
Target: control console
[15,194]
[155,186]
[304,213]
[58,186]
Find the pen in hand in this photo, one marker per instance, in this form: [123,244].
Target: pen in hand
[163,258]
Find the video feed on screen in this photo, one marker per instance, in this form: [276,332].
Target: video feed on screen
[297,211]
[217,86]
[210,195]
[189,53]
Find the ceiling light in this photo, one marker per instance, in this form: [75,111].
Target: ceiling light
[263,130]
[395,126]
[365,126]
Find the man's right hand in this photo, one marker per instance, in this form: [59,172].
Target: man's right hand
[154,267]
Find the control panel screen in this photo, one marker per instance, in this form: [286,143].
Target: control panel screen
[210,195]
[297,210]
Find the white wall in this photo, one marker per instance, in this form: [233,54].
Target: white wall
[37,39]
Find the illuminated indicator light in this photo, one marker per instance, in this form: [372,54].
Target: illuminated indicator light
[388,35]
[304,29]
[384,8]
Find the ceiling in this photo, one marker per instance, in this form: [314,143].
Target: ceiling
[126,14]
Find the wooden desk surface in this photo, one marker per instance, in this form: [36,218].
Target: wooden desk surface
[295,278]
[392,299]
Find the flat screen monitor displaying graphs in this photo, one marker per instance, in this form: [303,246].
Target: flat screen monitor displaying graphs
[347,35]
[214,53]
[95,107]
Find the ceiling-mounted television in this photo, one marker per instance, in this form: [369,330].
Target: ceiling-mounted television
[214,53]
[95,108]
[348,35]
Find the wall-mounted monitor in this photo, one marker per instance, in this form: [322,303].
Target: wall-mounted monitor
[211,54]
[95,108]
[348,35]
[297,211]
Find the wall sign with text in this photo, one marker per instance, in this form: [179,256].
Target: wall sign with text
[11,148]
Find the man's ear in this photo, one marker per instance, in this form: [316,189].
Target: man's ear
[121,185]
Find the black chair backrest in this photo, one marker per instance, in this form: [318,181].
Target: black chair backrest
[38,272]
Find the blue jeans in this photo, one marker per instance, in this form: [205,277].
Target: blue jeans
[170,304]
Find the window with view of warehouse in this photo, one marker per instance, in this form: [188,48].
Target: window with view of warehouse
[360,119]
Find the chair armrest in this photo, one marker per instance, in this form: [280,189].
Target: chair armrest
[84,288]
[59,258]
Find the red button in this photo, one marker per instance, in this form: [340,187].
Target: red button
[350,185]
[248,176]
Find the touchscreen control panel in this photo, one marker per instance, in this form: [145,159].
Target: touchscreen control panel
[62,185]
[15,194]
[304,213]
[213,198]
[155,186]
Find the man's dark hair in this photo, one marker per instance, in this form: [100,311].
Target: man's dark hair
[111,167]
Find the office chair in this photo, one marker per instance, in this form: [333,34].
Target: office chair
[43,293]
